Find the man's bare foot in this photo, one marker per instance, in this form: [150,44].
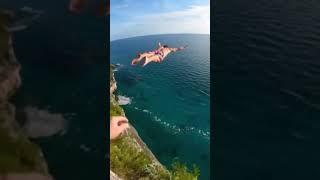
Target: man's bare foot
[135,61]
[145,63]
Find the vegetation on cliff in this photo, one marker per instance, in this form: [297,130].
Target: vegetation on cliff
[130,162]
[17,153]
[131,159]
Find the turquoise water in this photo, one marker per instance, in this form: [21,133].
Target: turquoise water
[170,105]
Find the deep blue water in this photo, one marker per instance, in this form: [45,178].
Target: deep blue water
[64,64]
[266,74]
[170,100]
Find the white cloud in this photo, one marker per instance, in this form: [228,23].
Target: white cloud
[195,19]
[120,6]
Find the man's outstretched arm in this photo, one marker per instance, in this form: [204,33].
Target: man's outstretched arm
[178,49]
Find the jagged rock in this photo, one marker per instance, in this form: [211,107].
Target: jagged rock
[21,19]
[9,68]
[113,176]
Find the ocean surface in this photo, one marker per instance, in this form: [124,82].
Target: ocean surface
[170,101]
[64,71]
[266,91]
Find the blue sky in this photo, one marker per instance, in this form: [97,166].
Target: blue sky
[131,18]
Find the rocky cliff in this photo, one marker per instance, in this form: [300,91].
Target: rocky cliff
[19,157]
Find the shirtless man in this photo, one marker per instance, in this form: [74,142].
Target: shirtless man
[157,55]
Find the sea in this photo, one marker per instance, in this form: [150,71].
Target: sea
[266,77]
[169,102]
[64,72]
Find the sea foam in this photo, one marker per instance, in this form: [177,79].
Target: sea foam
[122,100]
[42,123]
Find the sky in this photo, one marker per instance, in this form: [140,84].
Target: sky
[130,18]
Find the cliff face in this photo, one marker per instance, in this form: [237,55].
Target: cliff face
[19,157]
[130,158]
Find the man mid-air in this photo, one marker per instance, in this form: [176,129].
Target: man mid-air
[157,55]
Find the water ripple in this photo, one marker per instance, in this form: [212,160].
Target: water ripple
[175,128]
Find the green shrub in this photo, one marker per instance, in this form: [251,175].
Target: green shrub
[17,152]
[18,155]
[181,172]
[129,162]
[115,110]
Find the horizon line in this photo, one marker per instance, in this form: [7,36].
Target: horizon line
[159,34]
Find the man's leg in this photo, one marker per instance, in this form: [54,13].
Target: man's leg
[138,58]
[153,58]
